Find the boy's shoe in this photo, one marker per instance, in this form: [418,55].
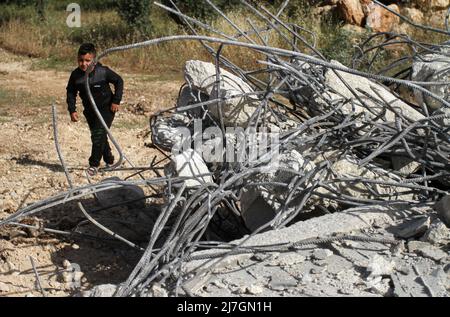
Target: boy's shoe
[92,171]
[109,161]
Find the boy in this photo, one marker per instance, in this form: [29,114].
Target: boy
[107,102]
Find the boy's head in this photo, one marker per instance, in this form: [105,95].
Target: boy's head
[86,55]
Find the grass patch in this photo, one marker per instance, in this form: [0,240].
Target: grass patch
[56,45]
[11,99]
[166,76]
[5,119]
[52,63]
[5,96]
[130,124]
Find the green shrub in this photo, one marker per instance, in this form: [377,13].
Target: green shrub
[19,3]
[200,9]
[135,13]
[92,5]
[339,44]
[15,12]
[102,33]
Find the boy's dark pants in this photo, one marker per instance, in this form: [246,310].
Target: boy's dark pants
[99,137]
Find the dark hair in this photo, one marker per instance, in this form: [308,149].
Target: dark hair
[87,48]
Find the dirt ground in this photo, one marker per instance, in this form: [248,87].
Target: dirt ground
[30,171]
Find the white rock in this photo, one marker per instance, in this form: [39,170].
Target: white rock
[254,289]
[378,285]
[379,266]
[105,290]
[77,276]
[67,277]
[321,254]
[4,288]
[437,234]
[191,165]
[236,111]
[67,265]
[158,291]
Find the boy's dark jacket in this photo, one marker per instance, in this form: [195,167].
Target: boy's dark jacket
[99,81]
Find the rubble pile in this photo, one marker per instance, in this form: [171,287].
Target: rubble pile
[252,153]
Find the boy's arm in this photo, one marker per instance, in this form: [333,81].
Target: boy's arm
[71,95]
[117,81]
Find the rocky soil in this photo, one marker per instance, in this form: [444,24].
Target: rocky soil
[30,171]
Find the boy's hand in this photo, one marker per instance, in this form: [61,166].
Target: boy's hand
[114,107]
[74,117]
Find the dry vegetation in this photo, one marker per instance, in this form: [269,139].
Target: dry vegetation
[53,41]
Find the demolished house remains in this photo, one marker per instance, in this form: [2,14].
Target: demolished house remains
[300,151]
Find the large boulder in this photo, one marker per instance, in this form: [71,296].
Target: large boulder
[348,168]
[236,110]
[432,67]
[261,203]
[413,14]
[351,11]
[338,92]
[427,5]
[381,20]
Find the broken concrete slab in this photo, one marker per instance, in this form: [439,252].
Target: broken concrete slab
[282,280]
[337,264]
[348,167]
[405,165]
[380,266]
[424,278]
[437,234]
[412,228]
[379,285]
[365,90]
[436,283]
[427,250]
[189,165]
[321,254]
[328,225]
[170,132]
[436,68]
[105,290]
[289,259]
[236,110]
[260,204]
